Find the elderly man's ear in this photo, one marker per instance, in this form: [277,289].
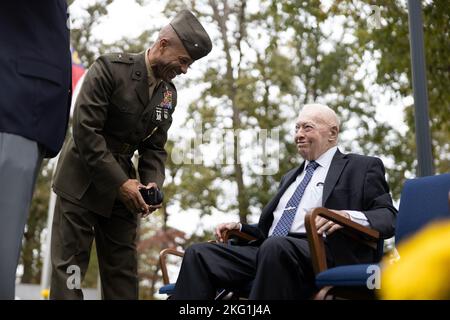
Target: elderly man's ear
[334,131]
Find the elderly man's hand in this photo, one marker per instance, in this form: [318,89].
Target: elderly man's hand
[326,226]
[225,226]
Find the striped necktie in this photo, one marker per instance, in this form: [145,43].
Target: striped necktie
[284,224]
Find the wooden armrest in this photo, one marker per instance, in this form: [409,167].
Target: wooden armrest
[315,240]
[163,263]
[228,234]
[350,225]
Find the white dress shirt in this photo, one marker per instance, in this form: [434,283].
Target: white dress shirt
[312,198]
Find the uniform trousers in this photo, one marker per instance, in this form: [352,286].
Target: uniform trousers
[73,231]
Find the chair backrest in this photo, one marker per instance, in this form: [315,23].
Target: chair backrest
[422,200]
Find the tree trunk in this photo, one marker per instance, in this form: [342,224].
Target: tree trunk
[27,260]
[221,19]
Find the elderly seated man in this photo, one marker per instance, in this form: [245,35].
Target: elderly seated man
[279,261]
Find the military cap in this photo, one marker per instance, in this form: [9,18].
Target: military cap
[192,34]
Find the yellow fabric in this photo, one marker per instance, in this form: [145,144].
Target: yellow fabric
[423,270]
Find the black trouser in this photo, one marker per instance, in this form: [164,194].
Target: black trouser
[74,229]
[280,268]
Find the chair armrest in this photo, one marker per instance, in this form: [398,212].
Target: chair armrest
[229,234]
[315,240]
[162,261]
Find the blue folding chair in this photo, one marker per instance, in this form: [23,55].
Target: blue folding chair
[422,200]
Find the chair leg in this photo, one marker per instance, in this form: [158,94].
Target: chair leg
[323,294]
[226,294]
[344,293]
[222,294]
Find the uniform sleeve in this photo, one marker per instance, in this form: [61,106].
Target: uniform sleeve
[152,156]
[91,111]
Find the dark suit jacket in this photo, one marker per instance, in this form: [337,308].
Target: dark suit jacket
[114,116]
[35,71]
[353,182]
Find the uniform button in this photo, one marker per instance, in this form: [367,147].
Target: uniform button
[138,73]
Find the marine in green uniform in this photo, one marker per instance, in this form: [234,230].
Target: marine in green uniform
[126,104]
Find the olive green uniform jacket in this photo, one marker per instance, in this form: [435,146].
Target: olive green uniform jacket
[121,108]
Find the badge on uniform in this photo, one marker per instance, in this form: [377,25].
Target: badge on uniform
[162,111]
[166,103]
[158,113]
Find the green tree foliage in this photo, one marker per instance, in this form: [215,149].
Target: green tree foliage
[82,40]
[89,47]
[390,49]
[269,62]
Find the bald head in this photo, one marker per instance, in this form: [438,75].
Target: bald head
[317,130]
[321,113]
